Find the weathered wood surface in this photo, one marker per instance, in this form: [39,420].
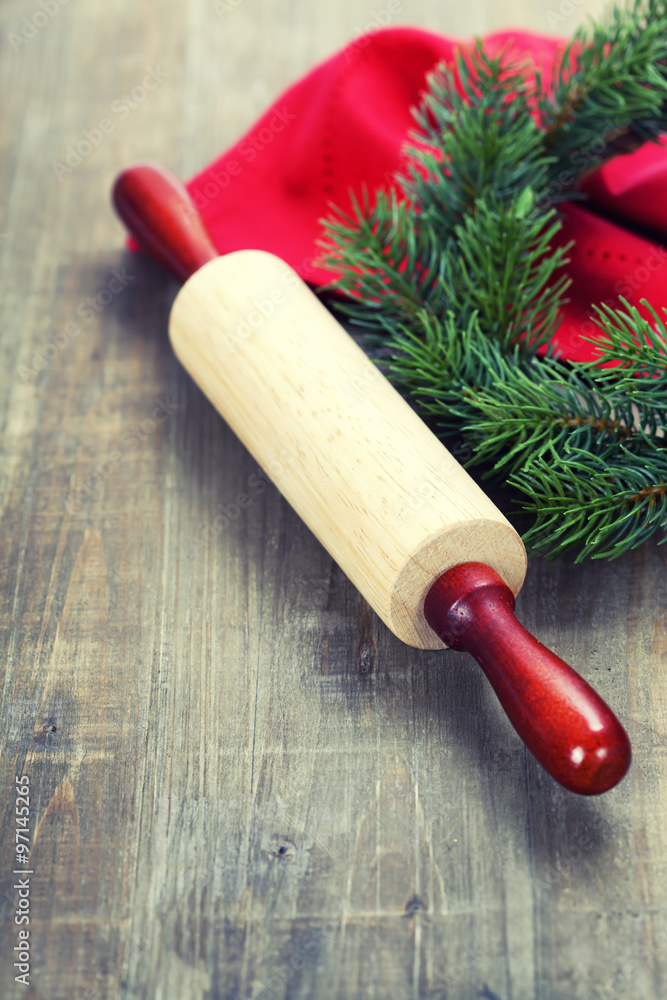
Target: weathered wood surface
[241,784]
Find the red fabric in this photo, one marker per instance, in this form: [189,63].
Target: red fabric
[605,262]
[634,187]
[344,124]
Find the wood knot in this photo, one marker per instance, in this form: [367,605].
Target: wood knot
[414,905]
[364,658]
[45,730]
[285,850]
[488,994]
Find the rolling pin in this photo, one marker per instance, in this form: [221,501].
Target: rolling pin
[428,550]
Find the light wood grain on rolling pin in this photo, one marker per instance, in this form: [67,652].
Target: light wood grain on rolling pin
[374,484]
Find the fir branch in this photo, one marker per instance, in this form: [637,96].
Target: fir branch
[459,280]
[631,362]
[602,505]
[474,138]
[608,92]
[630,342]
[390,268]
[475,235]
[601,484]
[442,365]
[543,407]
[509,269]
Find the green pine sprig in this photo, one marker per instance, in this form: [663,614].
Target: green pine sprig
[600,505]
[457,281]
[470,236]
[608,91]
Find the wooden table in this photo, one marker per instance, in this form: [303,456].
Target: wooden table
[241,785]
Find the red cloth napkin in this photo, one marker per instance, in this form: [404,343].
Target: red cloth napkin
[344,125]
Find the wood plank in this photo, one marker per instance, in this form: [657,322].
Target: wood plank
[241,784]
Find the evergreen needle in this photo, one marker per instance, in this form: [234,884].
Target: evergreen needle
[456,281]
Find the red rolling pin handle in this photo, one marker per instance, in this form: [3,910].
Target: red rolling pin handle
[561,719]
[564,723]
[158,211]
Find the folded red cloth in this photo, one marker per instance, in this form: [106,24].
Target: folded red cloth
[634,187]
[606,262]
[343,126]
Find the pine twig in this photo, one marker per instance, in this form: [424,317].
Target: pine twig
[456,276]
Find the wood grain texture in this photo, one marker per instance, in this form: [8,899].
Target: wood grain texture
[242,785]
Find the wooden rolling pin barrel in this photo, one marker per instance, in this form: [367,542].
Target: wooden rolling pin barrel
[424,545]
